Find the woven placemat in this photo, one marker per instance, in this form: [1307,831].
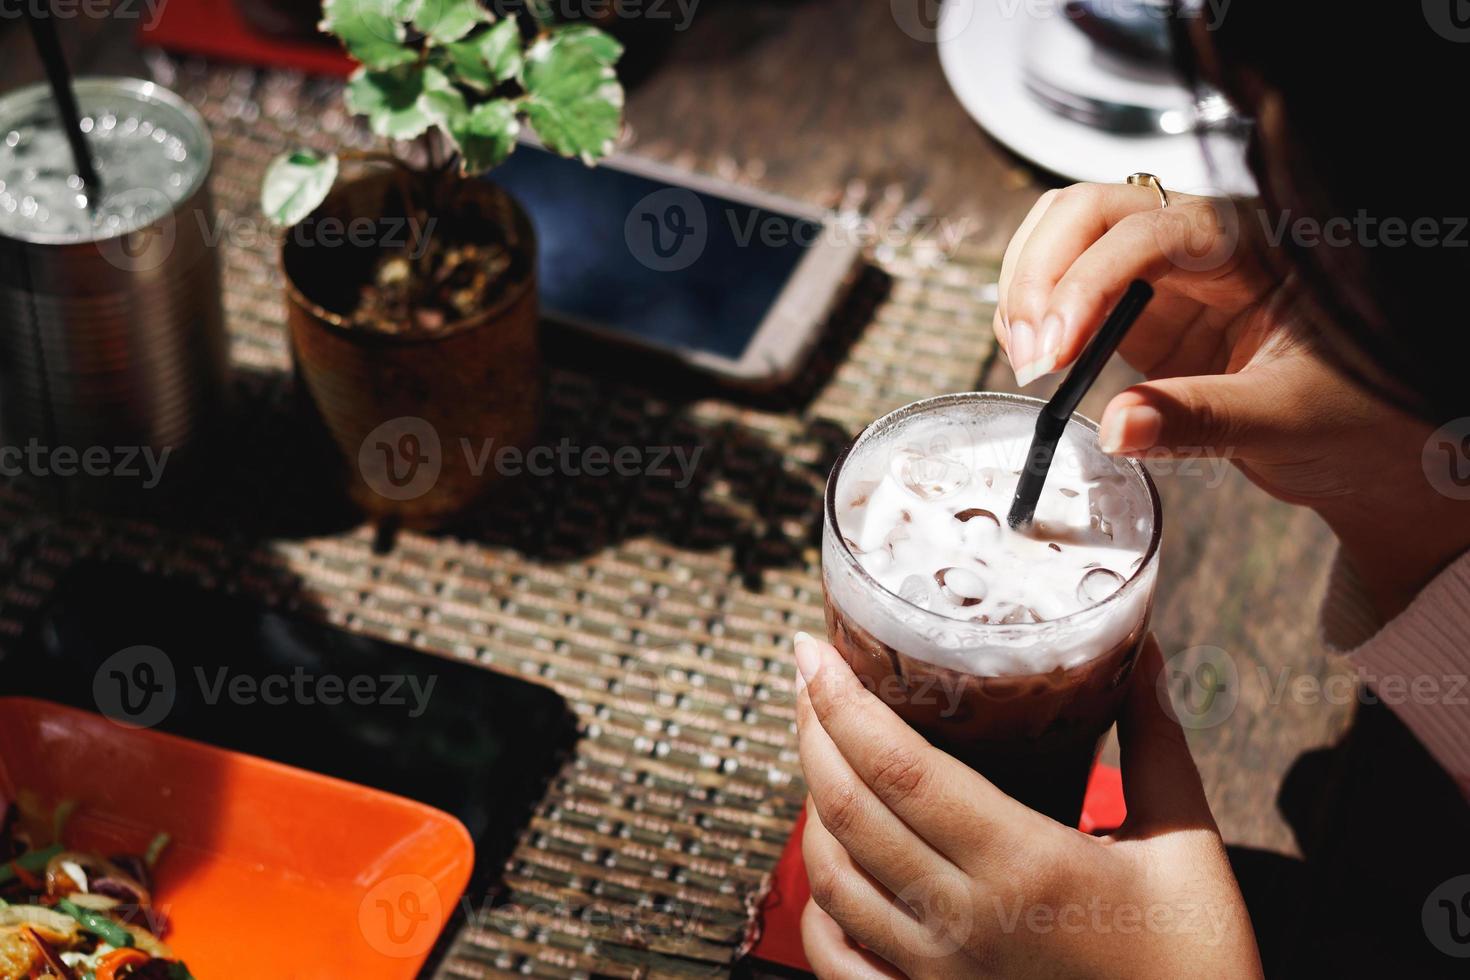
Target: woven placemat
[661,614]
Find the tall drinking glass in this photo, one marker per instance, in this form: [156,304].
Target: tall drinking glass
[1009,650]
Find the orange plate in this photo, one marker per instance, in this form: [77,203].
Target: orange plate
[273,873]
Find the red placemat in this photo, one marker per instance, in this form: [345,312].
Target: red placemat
[780,916]
[216,29]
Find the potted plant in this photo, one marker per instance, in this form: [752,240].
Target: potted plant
[411,289]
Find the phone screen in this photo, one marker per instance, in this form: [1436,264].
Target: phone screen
[655,261]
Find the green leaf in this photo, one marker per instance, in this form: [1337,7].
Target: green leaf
[487,58]
[372,31]
[449,20]
[403,103]
[295,183]
[486,135]
[440,100]
[573,97]
[391,100]
[468,65]
[585,39]
[501,48]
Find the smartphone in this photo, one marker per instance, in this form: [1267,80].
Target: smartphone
[725,280]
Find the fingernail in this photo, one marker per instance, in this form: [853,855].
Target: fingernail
[808,658]
[1023,348]
[1053,329]
[1131,430]
[1045,364]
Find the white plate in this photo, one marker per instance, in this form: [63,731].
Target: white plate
[983,46]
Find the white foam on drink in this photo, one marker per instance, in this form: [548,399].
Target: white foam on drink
[923,509]
[932,519]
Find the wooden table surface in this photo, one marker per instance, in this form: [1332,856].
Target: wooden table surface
[812,98]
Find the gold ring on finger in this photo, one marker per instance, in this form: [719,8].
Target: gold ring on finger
[1149,180]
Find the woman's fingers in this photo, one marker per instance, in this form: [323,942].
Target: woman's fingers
[1012,259]
[833,955]
[1071,223]
[1148,245]
[865,910]
[877,839]
[1273,409]
[1168,812]
[1245,415]
[1160,780]
[1210,416]
[952,807]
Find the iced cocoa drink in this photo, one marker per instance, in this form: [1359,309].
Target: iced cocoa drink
[1009,649]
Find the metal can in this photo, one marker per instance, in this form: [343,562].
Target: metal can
[112,337]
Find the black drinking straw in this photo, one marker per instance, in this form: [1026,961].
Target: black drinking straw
[1052,421]
[43,31]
